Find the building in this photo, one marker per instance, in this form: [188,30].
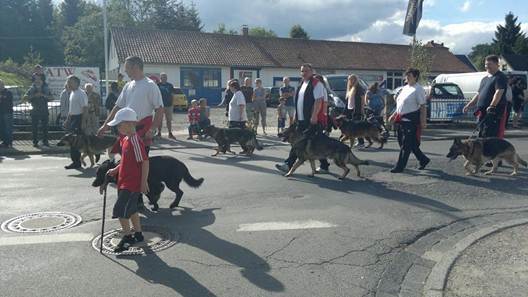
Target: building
[513,62]
[201,63]
[466,60]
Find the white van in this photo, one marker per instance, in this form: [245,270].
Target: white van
[469,83]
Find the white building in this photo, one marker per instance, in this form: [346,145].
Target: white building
[201,63]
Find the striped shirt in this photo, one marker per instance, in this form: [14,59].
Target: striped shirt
[133,153]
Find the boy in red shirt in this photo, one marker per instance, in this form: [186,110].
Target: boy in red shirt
[132,179]
[194,118]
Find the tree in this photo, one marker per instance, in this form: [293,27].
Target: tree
[479,52]
[261,32]
[223,30]
[70,11]
[298,32]
[506,36]
[421,59]
[83,42]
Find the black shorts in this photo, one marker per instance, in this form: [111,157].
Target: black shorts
[126,204]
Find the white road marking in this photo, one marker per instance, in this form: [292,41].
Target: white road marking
[274,226]
[49,238]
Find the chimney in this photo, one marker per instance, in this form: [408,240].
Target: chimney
[245,30]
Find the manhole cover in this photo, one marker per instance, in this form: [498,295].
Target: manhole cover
[41,222]
[156,239]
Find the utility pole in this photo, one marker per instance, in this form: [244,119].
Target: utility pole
[105,25]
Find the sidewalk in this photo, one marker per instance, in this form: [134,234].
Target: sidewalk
[496,265]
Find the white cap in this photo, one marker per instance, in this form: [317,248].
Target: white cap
[124,115]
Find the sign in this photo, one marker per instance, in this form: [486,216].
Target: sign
[413,17]
[56,78]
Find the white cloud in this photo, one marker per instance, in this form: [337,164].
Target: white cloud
[466,6]
[459,37]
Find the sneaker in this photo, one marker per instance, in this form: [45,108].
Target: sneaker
[320,170]
[35,145]
[73,166]
[422,165]
[126,242]
[283,167]
[171,136]
[396,170]
[189,138]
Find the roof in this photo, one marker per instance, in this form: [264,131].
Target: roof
[198,48]
[465,59]
[517,62]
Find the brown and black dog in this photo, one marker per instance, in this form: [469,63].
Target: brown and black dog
[352,129]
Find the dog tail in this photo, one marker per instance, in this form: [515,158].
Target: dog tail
[352,159]
[523,163]
[191,181]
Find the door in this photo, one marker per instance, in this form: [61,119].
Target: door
[199,83]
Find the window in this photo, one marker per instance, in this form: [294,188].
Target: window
[190,79]
[394,80]
[211,79]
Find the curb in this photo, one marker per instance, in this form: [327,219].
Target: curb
[437,279]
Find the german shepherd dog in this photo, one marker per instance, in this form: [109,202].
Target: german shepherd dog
[224,137]
[163,170]
[480,150]
[320,146]
[352,129]
[88,145]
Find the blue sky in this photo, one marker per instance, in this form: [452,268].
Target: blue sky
[459,24]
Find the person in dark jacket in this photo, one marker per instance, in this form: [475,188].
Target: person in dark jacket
[6,116]
[39,95]
[112,96]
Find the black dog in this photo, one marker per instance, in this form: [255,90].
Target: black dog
[163,169]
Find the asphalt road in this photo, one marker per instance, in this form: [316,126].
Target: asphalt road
[248,231]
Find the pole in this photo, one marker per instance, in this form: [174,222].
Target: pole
[105,25]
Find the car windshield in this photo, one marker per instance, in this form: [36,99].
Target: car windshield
[447,91]
[338,83]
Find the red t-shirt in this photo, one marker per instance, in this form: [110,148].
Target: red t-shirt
[133,153]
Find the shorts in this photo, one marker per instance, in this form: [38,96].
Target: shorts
[126,204]
[290,110]
[168,112]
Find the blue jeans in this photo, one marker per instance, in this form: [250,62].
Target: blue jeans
[6,128]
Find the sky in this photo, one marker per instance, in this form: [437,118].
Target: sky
[459,24]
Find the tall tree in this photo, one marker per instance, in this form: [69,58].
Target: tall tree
[70,11]
[506,36]
[421,59]
[261,32]
[298,32]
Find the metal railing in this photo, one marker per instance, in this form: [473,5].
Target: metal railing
[22,116]
[449,110]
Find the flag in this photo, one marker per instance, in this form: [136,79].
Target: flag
[412,19]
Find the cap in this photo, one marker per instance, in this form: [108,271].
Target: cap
[123,115]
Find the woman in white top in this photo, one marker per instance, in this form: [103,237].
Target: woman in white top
[237,106]
[411,117]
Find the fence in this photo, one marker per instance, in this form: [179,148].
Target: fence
[22,116]
[449,110]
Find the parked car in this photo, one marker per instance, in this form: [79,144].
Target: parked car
[179,100]
[22,113]
[337,86]
[445,101]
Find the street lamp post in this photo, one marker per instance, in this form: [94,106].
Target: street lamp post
[105,25]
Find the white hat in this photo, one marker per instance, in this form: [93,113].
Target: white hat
[124,115]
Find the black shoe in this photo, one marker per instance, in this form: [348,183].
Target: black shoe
[126,242]
[282,167]
[73,166]
[35,144]
[422,165]
[138,237]
[45,143]
[396,170]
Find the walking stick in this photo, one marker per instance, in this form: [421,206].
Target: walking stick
[104,214]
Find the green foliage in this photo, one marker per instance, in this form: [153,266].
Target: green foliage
[479,53]
[223,30]
[298,32]
[421,59]
[506,36]
[261,32]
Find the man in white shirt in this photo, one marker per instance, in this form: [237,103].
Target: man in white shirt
[78,104]
[309,103]
[142,95]
[411,116]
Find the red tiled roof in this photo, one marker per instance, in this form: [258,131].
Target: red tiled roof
[197,48]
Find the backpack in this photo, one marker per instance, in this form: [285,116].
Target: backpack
[376,102]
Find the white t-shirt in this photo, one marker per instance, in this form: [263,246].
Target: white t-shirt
[78,100]
[410,99]
[234,108]
[143,96]
[318,92]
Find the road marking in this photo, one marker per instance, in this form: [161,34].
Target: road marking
[50,238]
[274,226]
